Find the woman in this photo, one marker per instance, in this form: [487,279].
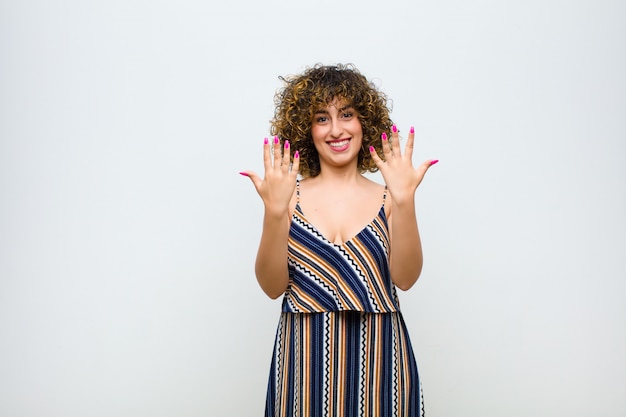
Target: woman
[336,244]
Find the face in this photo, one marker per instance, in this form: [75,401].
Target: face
[337,134]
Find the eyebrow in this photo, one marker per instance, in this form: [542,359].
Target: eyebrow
[344,108]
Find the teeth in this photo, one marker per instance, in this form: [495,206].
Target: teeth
[339,143]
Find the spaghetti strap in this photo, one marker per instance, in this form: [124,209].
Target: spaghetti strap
[385,196]
[298,191]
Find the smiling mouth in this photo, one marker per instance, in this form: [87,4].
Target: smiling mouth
[339,143]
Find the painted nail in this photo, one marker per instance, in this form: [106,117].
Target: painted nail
[394,128]
[286,144]
[412,129]
[265,141]
[275,139]
[433,162]
[244,174]
[296,155]
[372,148]
[384,136]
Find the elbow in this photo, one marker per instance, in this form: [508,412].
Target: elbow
[272,283]
[273,294]
[272,287]
[272,291]
[407,279]
[407,282]
[405,286]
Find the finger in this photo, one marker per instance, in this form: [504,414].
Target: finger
[379,162]
[410,143]
[267,160]
[386,147]
[395,141]
[277,152]
[295,167]
[286,157]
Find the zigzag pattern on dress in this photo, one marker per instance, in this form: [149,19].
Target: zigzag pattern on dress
[357,364]
[325,276]
[342,347]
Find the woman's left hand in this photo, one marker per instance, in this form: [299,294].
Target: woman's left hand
[401,177]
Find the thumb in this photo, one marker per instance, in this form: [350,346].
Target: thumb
[427,164]
[256,180]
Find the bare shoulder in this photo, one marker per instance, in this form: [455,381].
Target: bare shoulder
[373,187]
[379,191]
[376,191]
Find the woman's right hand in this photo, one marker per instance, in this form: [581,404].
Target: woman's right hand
[277,187]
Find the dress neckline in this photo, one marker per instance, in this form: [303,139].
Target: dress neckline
[381,214]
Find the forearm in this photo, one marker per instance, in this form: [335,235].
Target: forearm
[406,246]
[271,261]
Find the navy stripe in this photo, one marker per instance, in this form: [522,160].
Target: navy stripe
[344,275]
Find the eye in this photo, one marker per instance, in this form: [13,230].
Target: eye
[321,119]
[347,115]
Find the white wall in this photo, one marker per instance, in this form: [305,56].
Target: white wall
[127,238]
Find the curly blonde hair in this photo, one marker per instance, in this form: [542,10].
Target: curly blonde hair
[303,95]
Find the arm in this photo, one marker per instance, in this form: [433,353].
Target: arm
[271,259]
[402,180]
[406,246]
[276,190]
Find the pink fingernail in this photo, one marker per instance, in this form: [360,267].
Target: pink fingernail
[265,141]
[286,144]
[275,139]
[394,128]
[244,174]
[433,162]
[412,129]
[384,136]
[296,155]
[372,148]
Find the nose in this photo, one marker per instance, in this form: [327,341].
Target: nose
[336,129]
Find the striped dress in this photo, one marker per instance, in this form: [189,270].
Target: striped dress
[342,347]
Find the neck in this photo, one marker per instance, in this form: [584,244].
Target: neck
[346,176]
[347,173]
